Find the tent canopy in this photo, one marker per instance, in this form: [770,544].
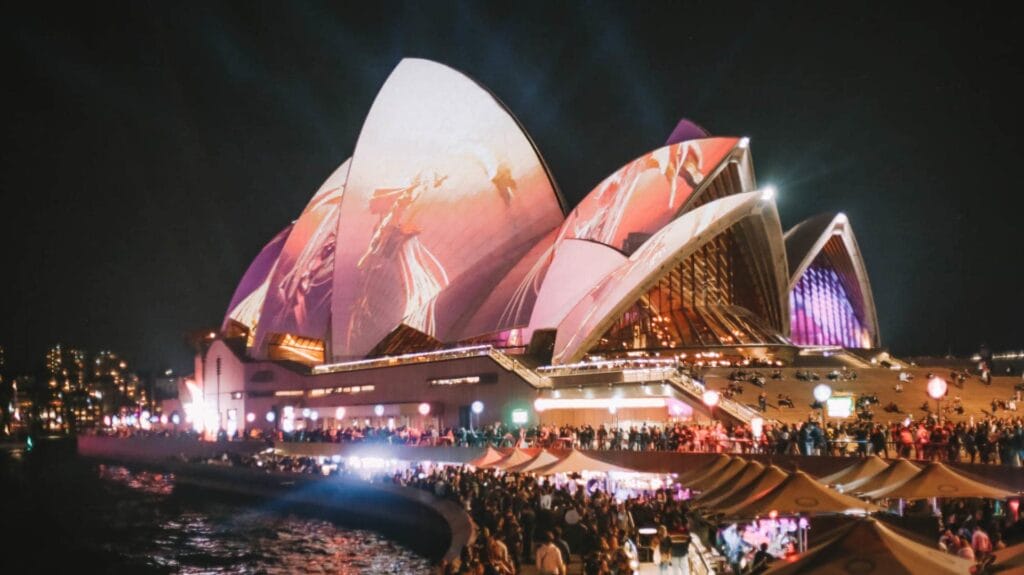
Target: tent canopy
[517,457]
[1010,561]
[856,474]
[749,472]
[489,457]
[889,477]
[799,494]
[723,475]
[716,463]
[577,462]
[938,480]
[543,459]
[763,483]
[868,546]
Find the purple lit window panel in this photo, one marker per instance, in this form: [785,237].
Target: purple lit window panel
[822,313]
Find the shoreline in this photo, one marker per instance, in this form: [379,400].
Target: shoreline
[436,528]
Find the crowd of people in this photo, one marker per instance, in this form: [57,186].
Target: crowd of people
[522,520]
[525,520]
[992,440]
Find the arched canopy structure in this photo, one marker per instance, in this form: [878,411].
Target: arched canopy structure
[830,295]
[662,292]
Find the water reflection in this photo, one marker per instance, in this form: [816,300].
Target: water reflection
[110,519]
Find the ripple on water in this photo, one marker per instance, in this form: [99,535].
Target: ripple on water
[186,536]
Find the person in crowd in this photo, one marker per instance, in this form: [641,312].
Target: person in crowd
[761,560]
[549,557]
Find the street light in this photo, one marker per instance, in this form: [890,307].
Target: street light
[711,398]
[477,407]
[936,390]
[822,392]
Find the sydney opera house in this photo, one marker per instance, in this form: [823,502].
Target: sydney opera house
[437,278]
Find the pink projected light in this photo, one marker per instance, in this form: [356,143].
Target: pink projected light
[594,312]
[247,301]
[646,194]
[435,148]
[299,293]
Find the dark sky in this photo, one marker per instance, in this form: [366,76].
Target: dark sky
[150,149]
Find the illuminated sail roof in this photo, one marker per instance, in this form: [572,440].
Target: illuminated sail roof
[829,291]
[247,300]
[593,314]
[445,196]
[298,293]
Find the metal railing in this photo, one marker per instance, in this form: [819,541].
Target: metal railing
[513,365]
[736,409]
[410,358]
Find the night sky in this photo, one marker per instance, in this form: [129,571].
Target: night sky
[151,149]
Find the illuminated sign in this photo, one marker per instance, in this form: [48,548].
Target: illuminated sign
[520,416]
[840,406]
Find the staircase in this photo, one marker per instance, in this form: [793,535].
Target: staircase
[513,365]
[695,392]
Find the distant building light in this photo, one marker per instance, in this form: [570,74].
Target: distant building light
[288,393]
[477,407]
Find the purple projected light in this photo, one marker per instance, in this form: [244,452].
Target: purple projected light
[822,312]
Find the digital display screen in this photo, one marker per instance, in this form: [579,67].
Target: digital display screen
[841,406]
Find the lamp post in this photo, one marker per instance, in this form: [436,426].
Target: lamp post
[711,398]
[936,389]
[476,407]
[756,431]
[822,392]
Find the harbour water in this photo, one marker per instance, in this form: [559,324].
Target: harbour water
[76,516]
